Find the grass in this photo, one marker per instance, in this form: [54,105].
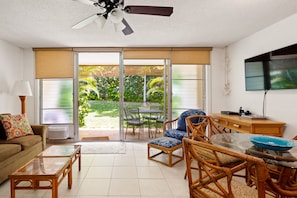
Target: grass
[105,114]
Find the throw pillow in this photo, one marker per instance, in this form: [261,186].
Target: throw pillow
[16,126]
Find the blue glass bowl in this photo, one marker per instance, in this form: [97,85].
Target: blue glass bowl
[272,143]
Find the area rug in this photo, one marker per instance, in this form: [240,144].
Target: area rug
[99,138]
[102,147]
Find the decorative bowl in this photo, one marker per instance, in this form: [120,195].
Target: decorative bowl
[272,143]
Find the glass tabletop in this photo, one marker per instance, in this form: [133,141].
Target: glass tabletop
[43,166]
[60,151]
[240,142]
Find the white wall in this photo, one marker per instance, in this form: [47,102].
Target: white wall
[11,69]
[280,104]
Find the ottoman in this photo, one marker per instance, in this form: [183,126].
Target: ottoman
[165,145]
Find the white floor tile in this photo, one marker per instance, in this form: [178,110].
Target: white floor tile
[99,172]
[154,187]
[124,187]
[129,175]
[124,172]
[94,187]
[149,172]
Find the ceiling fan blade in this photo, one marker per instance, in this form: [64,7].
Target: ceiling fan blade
[85,22]
[88,2]
[151,10]
[127,30]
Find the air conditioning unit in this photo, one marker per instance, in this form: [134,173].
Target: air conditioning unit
[58,132]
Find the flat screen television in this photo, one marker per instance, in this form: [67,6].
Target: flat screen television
[272,70]
[256,73]
[283,74]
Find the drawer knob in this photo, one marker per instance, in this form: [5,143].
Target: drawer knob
[236,125]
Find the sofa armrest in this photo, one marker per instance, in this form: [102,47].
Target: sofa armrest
[42,131]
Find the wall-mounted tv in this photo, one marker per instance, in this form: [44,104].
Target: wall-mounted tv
[272,70]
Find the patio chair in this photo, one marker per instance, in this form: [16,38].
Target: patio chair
[211,179]
[133,120]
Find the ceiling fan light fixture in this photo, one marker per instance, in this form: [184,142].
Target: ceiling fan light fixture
[119,27]
[100,21]
[116,15]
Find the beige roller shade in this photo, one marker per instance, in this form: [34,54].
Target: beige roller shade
[146,53]
[191,56]
[54,63]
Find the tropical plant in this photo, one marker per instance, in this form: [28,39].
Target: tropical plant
[86,87]
[155,91]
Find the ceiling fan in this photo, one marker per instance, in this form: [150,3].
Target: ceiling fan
[114,10]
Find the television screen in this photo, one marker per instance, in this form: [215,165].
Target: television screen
[254,76]
[283,74]
[272,70]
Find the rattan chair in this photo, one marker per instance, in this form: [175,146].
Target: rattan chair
[176,128]
[287,182]
[203,130]
[211,179]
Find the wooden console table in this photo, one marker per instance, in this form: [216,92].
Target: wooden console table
[244,125]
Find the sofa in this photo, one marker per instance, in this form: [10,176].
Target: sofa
[15,152]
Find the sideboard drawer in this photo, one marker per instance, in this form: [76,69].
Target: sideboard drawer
[243,125]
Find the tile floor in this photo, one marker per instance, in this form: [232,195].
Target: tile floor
[129,175]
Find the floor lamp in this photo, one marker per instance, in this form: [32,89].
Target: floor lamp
[22,89]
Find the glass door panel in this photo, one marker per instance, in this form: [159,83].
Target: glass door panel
[188,88]
[99,96]
[144,92]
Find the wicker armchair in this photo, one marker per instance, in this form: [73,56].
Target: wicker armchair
[176,128]
[211,179]
[203,130]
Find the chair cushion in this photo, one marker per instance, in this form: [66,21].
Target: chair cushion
[181,123]
[166,142]
[174,133]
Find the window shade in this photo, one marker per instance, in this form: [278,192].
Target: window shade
[191,56]
[54,64]
[146,53]
[177,55]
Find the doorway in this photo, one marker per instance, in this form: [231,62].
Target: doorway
[103,94]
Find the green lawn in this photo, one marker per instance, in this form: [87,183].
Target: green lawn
[105,114]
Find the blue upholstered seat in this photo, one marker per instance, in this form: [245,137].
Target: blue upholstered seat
[180,132]
[166,142]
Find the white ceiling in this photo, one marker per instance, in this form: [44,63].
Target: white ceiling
[194,23]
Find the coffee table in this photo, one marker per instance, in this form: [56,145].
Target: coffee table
[51,171]
[71,151]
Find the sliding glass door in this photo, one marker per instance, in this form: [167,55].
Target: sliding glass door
[145,96]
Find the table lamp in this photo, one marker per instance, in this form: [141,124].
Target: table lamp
[22,89]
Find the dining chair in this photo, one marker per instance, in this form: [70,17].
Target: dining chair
[211,179]
[203,130]
[133,120]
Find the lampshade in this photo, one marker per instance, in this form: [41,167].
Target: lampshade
[100,21]
[22,88]
[119,27]
[116,15]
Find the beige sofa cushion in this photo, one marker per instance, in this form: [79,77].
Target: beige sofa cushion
[25,141]
[8,150]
